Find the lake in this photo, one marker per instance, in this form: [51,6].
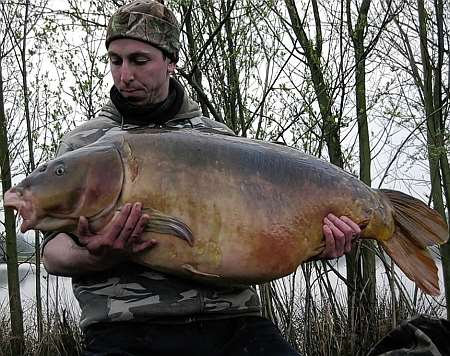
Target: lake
[50,285]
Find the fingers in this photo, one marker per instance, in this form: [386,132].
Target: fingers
[339,234]
[140,226]
[83,231]
[127,221]
[330,246]
[143,245]
[120,227]
[120,237]
[354,226]
[133,224]
[354,234]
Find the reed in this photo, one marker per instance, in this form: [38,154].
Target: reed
[309,307]
[312,313]
[61,335]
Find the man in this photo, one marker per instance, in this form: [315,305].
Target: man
[128,309]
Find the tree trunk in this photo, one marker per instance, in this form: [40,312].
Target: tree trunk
[364,284]
[439,135]
[15,306]
[433,124]
[37,241]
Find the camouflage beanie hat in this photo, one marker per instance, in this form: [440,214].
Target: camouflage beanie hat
[147,21]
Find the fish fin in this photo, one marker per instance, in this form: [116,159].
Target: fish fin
[166,224]
[416,227]
[415,262]
[195,271]
[424,225]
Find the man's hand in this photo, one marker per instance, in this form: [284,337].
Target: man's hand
[339,234]
[120,238]
[117,241]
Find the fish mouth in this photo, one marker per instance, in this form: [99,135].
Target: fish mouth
[14,199]
[27,224]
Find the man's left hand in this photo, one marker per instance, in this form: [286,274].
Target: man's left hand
[339,234]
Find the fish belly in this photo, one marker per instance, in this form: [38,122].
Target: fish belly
[255,209]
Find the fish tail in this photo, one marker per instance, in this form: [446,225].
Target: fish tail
[417,226]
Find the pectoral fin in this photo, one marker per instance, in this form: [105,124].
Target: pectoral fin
[166,224]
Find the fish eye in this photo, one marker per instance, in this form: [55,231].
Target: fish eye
[60,170]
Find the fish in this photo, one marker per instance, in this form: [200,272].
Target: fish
[224,209]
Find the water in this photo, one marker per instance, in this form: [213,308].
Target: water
[58,290]
[60,296]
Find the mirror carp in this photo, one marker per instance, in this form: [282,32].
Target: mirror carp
[224,209]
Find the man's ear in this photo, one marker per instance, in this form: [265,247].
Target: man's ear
[171,67]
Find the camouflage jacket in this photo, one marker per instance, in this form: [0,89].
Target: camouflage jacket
[130,292]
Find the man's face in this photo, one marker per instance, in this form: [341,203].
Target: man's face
[140,71]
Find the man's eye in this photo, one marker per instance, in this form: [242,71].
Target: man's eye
[141,61]
[116,61]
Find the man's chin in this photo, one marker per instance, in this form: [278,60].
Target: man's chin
[136,100]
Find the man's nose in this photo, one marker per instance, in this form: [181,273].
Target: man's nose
[126,73]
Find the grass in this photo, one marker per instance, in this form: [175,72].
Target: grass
[60,336]
[320,331]
[314,319]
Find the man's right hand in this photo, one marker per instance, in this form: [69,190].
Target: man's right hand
[117,241]
[121,237]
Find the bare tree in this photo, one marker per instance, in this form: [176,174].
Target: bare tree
[15,306]
[432,96]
